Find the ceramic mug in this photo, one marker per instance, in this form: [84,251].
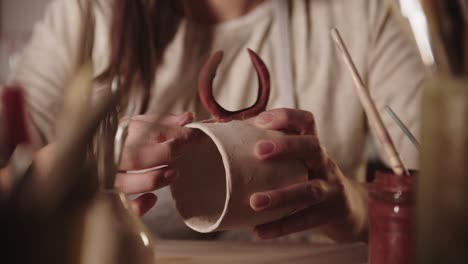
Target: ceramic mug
[219,174]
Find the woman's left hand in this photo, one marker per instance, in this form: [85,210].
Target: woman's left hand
[328,200]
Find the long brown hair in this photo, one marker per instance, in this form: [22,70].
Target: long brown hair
[140,31]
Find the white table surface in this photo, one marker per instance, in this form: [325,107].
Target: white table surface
[194,252]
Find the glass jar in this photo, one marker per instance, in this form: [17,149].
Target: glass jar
[391,219]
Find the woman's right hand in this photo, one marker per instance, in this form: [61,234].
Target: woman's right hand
[152,141]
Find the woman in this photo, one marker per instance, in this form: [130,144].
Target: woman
[159,46]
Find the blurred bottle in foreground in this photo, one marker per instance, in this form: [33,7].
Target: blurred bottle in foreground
[443,186]
[442,199]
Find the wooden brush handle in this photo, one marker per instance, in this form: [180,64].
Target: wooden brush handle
[368,104]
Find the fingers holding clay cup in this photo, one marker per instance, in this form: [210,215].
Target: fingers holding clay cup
[300,195]
[219,174]
[135,183]
[291,120]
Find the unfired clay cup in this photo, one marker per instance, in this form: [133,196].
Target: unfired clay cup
[219,174]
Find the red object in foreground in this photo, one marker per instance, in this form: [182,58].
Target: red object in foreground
[392,219]
[14,111]
[205,89]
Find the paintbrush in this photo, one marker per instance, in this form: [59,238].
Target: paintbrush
[454,34]
[447,27]
[368,104]
[433,19]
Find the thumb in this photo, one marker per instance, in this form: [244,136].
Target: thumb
[144,203]
[299,196]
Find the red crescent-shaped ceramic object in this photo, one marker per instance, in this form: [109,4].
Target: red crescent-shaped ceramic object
[205,89]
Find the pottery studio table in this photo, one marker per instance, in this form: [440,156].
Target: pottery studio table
[200,252]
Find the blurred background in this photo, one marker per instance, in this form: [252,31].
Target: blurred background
[18,18]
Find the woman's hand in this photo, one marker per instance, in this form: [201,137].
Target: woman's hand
[152,141]
[327,200]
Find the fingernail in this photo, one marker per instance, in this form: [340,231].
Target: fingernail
[185,118]
[260,201]
[170,175]
[170,141]
[264,119]
[265,148]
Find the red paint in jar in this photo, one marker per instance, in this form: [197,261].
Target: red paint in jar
[392,219]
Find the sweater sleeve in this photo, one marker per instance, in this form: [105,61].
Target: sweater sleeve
[395,73]
[48,62]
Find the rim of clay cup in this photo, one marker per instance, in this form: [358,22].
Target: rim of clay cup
[227,175]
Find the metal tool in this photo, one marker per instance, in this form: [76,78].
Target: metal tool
[403,126]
